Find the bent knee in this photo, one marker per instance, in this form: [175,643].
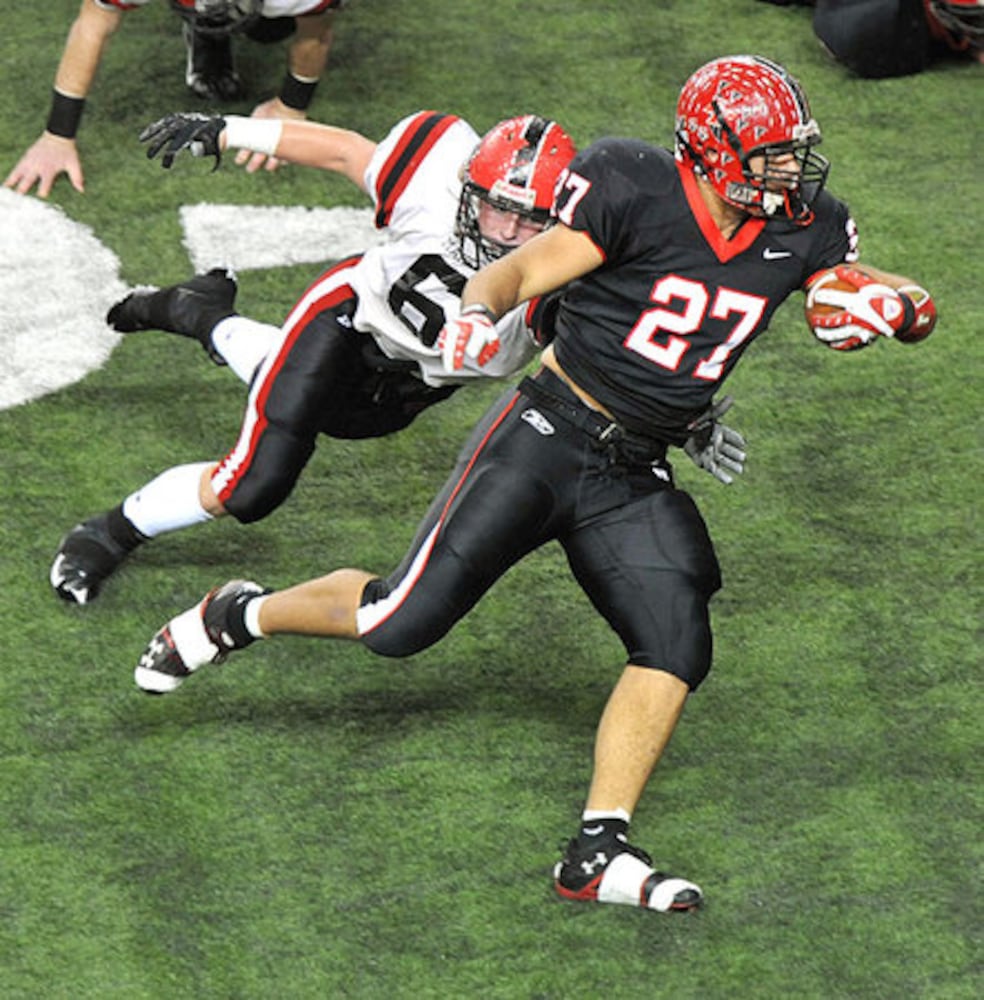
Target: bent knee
[248,506]
[388,627]
[255,488]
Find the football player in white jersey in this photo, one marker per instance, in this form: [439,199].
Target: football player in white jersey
[208,27]
[357,355]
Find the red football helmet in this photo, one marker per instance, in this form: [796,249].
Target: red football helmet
[514,169]
[219,17]
[734,108]
[961,21]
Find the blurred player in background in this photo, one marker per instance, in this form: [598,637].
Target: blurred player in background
[208,27]
[668,266]
[881,38]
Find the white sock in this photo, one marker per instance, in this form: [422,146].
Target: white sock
[169,502]
[593,815]
[243,343]
[251,617]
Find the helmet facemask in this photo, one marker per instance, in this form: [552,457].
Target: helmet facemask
[514,171]
[963,20]
[477,248]
[774,190]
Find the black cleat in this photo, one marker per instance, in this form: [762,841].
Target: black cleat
[616,872]
[86,557]
[191,308]
[206,633]
[210,72]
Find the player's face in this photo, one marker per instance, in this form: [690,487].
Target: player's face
[508,228]
[782,170]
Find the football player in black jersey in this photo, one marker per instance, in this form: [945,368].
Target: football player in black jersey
[670,264]
[881,38]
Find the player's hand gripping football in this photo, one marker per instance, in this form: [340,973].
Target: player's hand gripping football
[848,309]
[199,134]
[472,335]
[714,446]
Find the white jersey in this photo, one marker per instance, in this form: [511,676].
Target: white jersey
[409,287]
[270,9]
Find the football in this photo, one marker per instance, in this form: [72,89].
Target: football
[847,309]
[819,301]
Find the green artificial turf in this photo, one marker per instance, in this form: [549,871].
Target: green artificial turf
[310,821]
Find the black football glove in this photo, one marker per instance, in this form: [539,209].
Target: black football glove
[199,134]
[714,446]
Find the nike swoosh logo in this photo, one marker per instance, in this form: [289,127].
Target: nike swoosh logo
[769,254]
[593,831]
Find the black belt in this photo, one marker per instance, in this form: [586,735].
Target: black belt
[547,390]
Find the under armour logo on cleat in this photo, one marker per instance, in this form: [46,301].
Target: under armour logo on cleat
[598,861]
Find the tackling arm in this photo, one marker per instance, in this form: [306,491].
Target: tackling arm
[543,264]
[306,143]
[326,147]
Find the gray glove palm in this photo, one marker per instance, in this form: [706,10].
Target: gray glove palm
[715,447]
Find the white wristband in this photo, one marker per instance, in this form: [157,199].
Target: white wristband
[259,134]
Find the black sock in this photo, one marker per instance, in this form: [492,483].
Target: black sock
[122,531]
[235,619]
[601,830]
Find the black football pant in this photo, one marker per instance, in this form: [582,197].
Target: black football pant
[529,474]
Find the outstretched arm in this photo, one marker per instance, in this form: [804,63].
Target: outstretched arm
[55,152]
[309,144]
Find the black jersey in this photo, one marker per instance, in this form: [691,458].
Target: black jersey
[654,331]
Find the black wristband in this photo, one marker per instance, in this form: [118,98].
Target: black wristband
[65,115]
[908,313]
[296,93]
